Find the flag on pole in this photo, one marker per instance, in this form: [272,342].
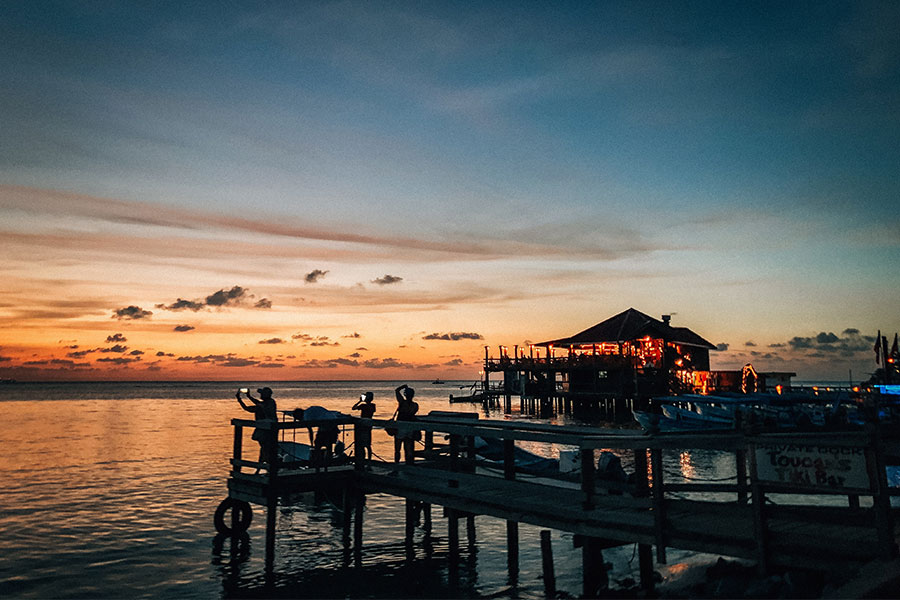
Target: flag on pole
[878,348]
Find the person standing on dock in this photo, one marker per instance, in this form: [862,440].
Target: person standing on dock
[366,408]
[264,410]
[406,411]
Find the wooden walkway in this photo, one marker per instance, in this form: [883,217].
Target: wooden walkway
[649,511]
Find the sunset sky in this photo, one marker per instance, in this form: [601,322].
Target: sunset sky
[370,190]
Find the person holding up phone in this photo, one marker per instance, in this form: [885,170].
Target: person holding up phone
[264,409]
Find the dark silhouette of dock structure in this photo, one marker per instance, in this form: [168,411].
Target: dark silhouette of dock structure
[734,518]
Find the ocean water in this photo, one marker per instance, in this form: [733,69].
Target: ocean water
[109,490]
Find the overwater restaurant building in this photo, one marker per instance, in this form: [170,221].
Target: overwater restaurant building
[629,355]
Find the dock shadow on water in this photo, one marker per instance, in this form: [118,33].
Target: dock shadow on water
[315,560]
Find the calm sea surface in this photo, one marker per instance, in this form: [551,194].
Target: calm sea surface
[108,489]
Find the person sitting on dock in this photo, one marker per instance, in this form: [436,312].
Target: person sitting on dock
[366,408]
[265,410]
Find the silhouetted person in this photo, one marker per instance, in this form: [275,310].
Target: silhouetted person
[326,434]
[366,409]
[264,409]
[406,411]
[406,407]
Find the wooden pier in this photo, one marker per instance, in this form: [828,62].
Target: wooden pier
[735,518]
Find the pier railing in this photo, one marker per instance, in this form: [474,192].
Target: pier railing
[779,481]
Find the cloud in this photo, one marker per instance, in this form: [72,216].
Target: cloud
[226,298]
[387,280]
[750,344]
[722,347]
[136,352]
[353,335]
[848,344]
[118,337]
[386,363]
[183,328]
[79,353]
[274,340]
[316,341]
[454,337]
[456,362]
[315,275]
[222,298]
[119,360]
[182,304]
[130,313]
[117,349]
[239,362]
[56,362]
[161,353]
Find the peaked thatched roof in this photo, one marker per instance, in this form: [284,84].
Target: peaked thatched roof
[631,325]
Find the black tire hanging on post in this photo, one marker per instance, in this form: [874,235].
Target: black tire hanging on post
[245,516]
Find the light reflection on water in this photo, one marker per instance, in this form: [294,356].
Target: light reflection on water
[109,490]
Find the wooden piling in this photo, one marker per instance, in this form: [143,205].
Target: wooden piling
[512,549]
[453,535]
[547,564]
[593,570]
[659,504]
[642,489]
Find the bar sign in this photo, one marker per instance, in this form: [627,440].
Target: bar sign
[831,467]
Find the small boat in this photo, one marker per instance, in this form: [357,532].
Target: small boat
[438,382]
[476,394]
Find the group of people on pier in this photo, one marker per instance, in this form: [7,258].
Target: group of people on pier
[325,441]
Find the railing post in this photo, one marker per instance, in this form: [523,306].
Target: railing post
[509,460]
[881,501]
[659,504]
[271,494]
[758,500]
[454,458]
[642,490]
[588,485]
[358,451]
[238,448]
[741,467]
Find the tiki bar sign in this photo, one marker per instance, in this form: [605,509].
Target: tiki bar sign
[827,467]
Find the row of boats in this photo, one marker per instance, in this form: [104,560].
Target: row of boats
[772,411]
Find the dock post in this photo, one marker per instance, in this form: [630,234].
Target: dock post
[642,489]
[741,464]
[412,507]
[470,532]
[454,458]
[512,527]
[453,536]
[587,477]
[659,504]
[238,448]
[426,517]
[512,550]
[593,571]
[547,564]
[881,501]
[758,500]
[271,497]
[358,505]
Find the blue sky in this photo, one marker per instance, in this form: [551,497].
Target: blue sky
[734,164]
